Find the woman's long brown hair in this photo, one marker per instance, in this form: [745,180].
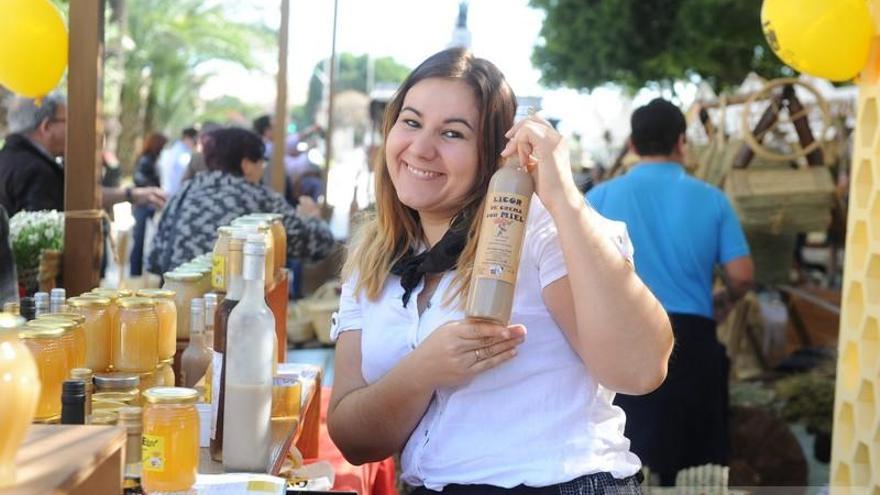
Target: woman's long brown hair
[385,236]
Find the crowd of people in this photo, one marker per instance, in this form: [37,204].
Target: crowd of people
[611,359]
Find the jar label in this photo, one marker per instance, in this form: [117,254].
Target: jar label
[218,272]
[500,244]
[153,452]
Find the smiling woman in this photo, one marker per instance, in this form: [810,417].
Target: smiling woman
[472,406]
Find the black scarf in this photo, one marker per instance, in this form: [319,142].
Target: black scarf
[411,268]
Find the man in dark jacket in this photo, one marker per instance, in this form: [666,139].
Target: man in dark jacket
[30,176]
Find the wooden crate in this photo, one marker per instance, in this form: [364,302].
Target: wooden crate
[70,460]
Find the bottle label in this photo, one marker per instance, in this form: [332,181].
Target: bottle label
[218,279]
[500,245]
[216,369]
[153,453]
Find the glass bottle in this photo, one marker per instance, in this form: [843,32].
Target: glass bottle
[86,376]
[195,358]
[41,303]
[131,419]
[250,360]
[97,330]
[57,300]
[28,308]
[20,389]
[500,243]
[170,447]
[186,287]
[210,312]
[73,402]
[218,370]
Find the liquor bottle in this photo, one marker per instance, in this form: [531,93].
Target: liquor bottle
[195,358]
[500,243]
[250,357]
[234,288]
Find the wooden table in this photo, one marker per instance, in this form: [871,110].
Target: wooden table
[70,460]
[303,433]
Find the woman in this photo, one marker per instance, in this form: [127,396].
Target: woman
[475,407]
[229,189]
[146,174]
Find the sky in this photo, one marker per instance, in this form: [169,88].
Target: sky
[502,31]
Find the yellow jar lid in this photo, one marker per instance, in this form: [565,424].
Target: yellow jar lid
[171,395]
[8,320]
[84,374]
[136,302]
[181,276]
[111,294]
[89,301]
[75,317]
[41,332]
[109,290]
[157,293]
[124,397]
[62,323]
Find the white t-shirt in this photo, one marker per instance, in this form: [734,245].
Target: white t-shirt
[538,419]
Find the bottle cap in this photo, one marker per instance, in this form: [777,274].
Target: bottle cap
[73,387]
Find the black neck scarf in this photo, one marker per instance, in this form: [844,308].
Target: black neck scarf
[411,268]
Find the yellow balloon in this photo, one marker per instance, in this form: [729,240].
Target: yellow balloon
[33,46]
[824,38]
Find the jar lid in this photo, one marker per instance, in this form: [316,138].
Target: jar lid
[171,395]
[62,323]
[111,294]
[181,276]
[107,405]
[8,320]
[109,290]
[137,302]
[76,317]
[102,416]
[123,397]
[157,293]
[41,332]
[117,380]
[84,374]
[130,414]
[89,302]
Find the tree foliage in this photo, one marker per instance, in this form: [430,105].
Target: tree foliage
[351,74]
[587,43]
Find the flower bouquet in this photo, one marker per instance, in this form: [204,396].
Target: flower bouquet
[37,239]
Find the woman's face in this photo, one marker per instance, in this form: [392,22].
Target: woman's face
[252,170]
[431,151]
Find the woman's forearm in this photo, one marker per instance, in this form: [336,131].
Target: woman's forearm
[373,422]
[624,333]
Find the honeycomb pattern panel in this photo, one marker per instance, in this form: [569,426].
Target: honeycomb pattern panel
[868,122]
[864,184]
[855,456]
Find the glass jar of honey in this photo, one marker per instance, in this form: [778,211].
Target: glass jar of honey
[166,312]
[20,392]
[68,338]
[137,349]
[185,286]
[170,450]
[279,235]
[76,333]
[117,382]
[219,259]
[97,329]
[48,349]
[165,374]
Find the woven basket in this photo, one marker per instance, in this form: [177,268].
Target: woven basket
[299,325]
[43,278]
[320,308]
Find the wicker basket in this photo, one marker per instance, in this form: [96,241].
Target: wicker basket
[320,308]
[299,325]
[43,278]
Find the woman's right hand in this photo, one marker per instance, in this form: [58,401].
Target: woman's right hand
[459,350]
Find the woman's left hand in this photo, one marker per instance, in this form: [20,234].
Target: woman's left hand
[544,152]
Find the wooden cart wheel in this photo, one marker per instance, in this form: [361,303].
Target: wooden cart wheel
[754,142]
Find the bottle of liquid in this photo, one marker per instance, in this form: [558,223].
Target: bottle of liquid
[250,356]
[85,375]
[41,303]
[500,243]
[28,308]
[57,300]
[210,312]
[73,402]
[234,287]
[195,358]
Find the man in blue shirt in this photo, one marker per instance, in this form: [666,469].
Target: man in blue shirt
[682,228]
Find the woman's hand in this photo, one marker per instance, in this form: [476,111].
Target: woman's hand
[459,350]
[546,156]
[307,208]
